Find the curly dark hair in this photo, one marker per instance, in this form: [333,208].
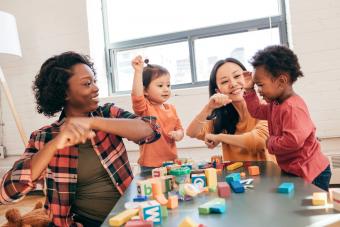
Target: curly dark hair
[51,82]
[151,72]
[227,116]
[278,59]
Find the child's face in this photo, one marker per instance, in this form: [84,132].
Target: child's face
[230,81]
[159,90]
[267,85]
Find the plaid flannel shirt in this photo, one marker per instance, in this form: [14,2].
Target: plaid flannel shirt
[61,173]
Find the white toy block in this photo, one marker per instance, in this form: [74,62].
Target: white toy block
[151,211]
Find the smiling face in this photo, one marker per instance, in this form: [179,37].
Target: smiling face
[82,92]
[159,90]
[230,81]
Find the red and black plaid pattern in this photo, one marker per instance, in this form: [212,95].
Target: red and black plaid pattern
[61,174]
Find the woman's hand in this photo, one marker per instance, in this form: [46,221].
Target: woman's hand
[138,64]
[211,140]
[218,100]
[74,131]
[248,81]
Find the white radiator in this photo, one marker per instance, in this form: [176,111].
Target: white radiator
[334,160]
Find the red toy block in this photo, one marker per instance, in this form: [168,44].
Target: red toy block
[223,189]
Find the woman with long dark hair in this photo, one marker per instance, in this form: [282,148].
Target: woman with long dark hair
[225,118]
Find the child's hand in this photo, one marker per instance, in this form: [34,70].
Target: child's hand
[211,140]
[218,100]
[248,80]
[176,135]
[138,64]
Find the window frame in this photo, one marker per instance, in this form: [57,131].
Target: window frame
[189,36]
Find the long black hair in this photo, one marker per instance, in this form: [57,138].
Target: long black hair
[226,116]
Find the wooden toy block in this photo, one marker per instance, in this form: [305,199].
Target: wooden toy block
[144,188]
[242,174]
[161,199]
[164,211]
[319,198]
[151,211]
[172,202]
[167,183]
[199,180]
[158,172]
[217,203]
[139,223]
[285,187]
[233,177]
[191,190]
[211,176]
[187,222]
[253,170]
[223,189]
[336,198]
[167,163]
[156,188]
[234,166]
[123,217]
[217,209]
[236,186]
[189,165]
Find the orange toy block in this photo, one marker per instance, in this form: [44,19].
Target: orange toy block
[242,174]
[172,202]
[254,170]
[156,188]
[161,199]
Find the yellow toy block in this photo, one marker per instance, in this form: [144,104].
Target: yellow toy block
[211,176]
[188,222]
[123,217]
[234,166]
[319,198]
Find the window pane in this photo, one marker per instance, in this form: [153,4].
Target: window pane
[241,46]
[174,57]
[131,19]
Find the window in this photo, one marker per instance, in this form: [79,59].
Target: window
[188,48]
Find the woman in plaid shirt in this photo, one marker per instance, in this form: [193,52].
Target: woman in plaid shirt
[81,156]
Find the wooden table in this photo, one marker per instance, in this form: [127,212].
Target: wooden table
[261,206]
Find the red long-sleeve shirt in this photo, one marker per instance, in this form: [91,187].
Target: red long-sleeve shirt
[291,135]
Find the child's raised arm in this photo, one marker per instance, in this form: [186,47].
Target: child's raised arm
[137,86]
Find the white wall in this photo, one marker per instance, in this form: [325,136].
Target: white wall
[49,27]
[46,28]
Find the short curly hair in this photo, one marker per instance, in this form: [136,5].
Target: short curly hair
[51,82]
[278,59]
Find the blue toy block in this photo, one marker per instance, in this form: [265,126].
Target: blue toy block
[151,211]
[140,198]
[217,205]
[236,186]
[218,208]
[199,180]
[233,177]
[285,187]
